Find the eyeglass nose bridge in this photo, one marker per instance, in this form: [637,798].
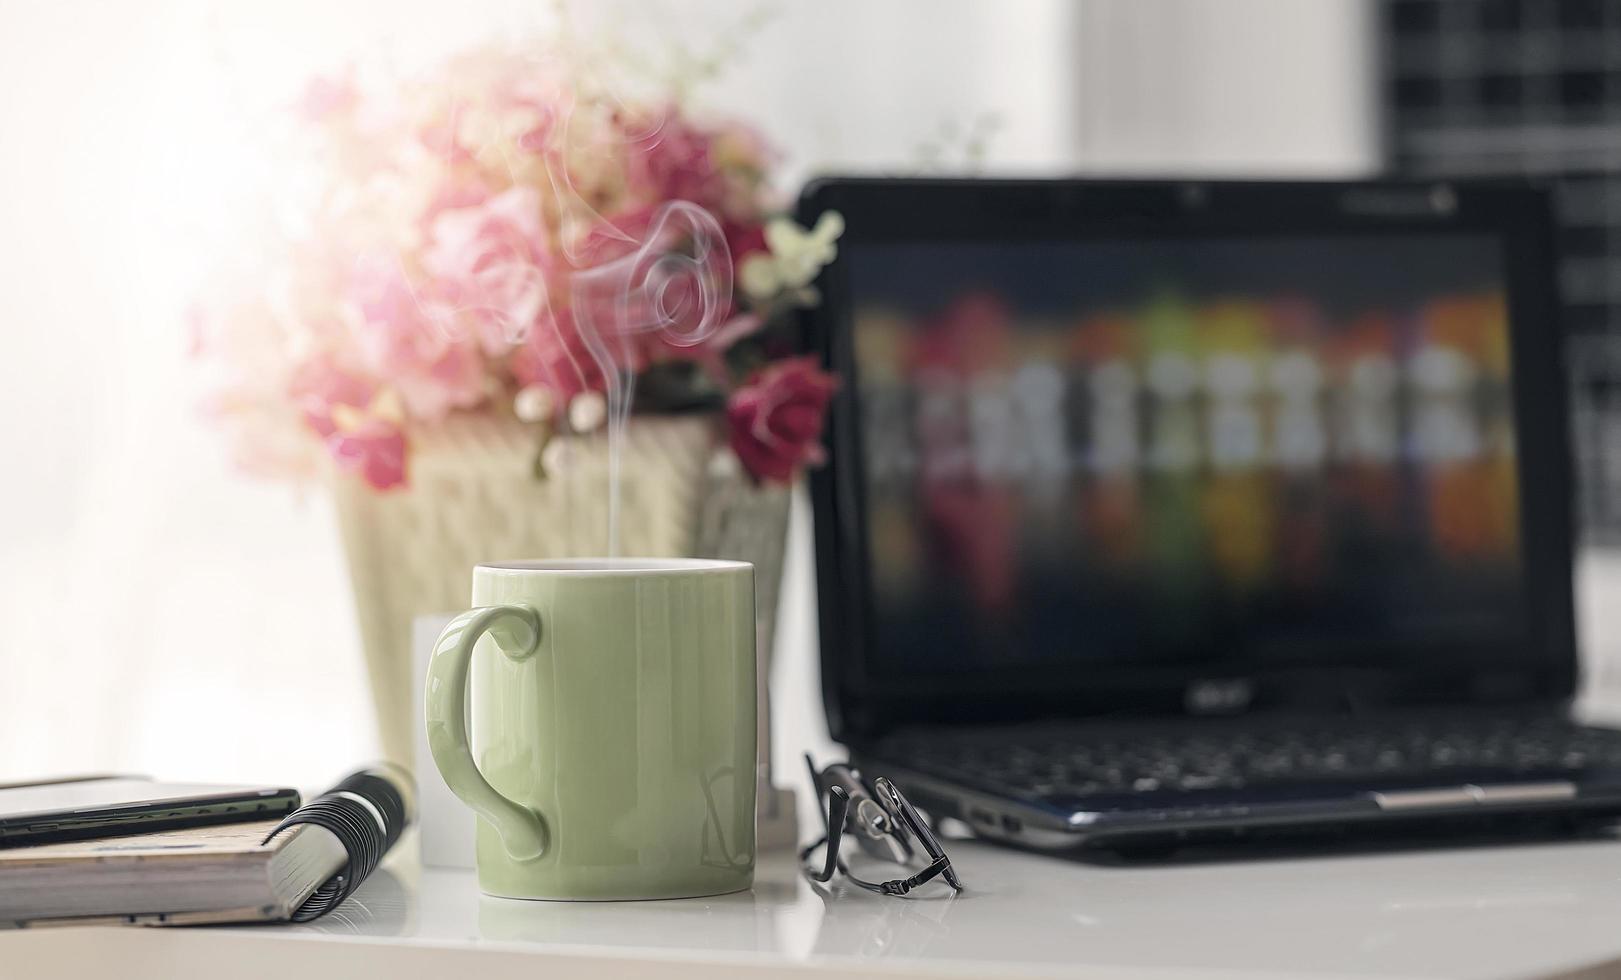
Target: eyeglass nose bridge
[872,820]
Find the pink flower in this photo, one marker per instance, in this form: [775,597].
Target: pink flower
[555,356]
[718,167]
[439,138]
[338,406]
[538,136]
[375,449]
[776,418]
[456,192]
[247,367]
[674,163]
[489,262]
[319,386]
[515,224]
[409,339]
[327,97]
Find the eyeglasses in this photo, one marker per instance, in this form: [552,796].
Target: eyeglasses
[884,824]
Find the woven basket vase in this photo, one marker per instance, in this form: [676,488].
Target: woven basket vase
[473,497]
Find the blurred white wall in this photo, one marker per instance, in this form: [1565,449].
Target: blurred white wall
[1240,88]
[164,614]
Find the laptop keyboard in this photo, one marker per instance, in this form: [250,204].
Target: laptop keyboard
[1081,762]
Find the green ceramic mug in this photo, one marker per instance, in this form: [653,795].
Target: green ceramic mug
[613,726]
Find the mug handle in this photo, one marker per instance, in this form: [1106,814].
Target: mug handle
[516,630]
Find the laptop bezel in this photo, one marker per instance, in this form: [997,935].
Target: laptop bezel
[861,704]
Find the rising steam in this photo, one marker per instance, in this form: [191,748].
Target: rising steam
[656,292]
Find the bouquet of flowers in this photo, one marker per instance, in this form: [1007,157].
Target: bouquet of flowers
[506,235]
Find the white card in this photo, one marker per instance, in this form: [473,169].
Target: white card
[445,824]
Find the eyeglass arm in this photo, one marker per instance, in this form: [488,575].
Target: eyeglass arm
[920,829]
[838,804]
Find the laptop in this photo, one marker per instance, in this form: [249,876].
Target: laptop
[1168,512]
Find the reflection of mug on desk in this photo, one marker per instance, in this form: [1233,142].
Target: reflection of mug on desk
[732,923]
[613,715]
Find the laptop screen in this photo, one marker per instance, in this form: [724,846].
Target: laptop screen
[1158,451]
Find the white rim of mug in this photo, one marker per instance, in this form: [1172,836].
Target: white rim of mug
[615,566]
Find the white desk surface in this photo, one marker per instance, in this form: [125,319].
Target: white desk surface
[1527,910]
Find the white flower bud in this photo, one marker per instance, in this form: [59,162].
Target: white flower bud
[724,465]
[534,403]
[758,276]
[557,455]
[587,411]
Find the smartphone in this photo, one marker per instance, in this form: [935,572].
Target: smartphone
[108,806]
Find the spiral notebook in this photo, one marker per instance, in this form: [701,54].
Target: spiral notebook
[295,869]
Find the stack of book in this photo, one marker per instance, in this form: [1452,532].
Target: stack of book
[184,866]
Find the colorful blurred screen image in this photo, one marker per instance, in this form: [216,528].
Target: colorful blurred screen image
[1153,450]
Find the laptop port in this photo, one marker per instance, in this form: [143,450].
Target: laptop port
[1011,824]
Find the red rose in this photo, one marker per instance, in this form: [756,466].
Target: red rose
[776,418]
